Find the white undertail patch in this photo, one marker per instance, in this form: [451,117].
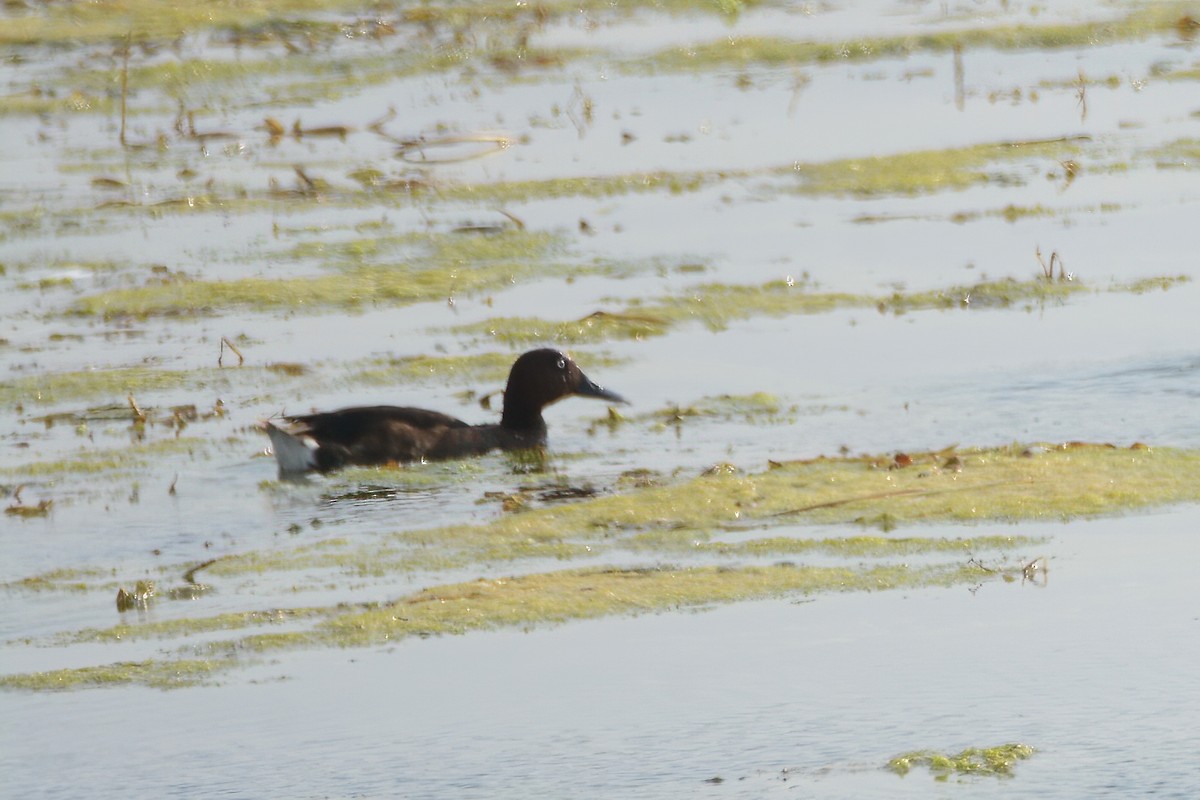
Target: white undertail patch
[293,452]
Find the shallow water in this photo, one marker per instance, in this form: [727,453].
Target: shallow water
[773,697]
[1092,669]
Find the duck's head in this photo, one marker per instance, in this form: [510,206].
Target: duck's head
[541,377]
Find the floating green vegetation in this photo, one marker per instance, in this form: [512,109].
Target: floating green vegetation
[988,485]
[901,173]
[437,250]
[1012,213]
[905,173]
[154,89]
[1000,761]
[1004,484]
[741,51]
[588,186]
[955,486]
[304,21]
[40,102]
[90,461]
[57,387]
[557,597]
[354,252]
[842,547]
[715,305]
[327,66]
[1009,213]
[192,626]
[61,579]
[1002,293]
[474,367]
[1179,154]
[760,407]
[597,327]
[184,77]
[997,485]
[374,561]
[1157,284]
[1112,81]
[1187,74]
[756,407]
[491,367]
[22,511]
[302,77]
[379,559]
[453,264]
[149,21]
[519,601]
[164,674]
[927,170]
[369,483]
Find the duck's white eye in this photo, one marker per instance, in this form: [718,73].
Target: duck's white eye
[562,363]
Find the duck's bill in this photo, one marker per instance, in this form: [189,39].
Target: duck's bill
[589,389]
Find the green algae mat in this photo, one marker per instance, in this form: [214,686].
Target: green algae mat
[794,529]
[999,761]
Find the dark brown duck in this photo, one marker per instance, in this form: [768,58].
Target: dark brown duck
[370,435]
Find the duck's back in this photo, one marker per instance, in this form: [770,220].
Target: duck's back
[376,434]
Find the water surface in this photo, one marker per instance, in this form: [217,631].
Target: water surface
[1090,667]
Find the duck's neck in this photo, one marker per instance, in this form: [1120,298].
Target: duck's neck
[521,417]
